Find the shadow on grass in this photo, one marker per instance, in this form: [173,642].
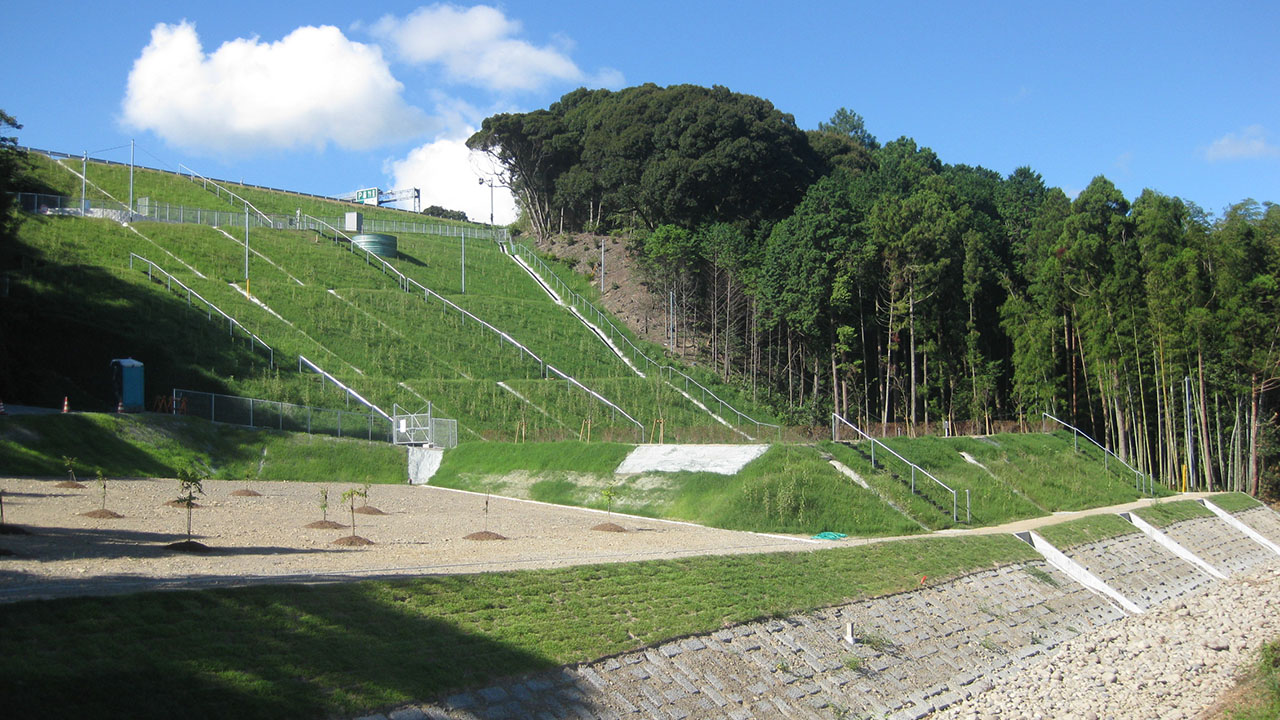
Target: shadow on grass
[265,652]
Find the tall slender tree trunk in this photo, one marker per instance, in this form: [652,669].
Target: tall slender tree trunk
[1206,451]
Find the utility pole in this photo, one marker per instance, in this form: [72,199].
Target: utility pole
[84,175]
[246,250]
[602,266]
[131,179]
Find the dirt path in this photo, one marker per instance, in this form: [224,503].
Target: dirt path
[264,539]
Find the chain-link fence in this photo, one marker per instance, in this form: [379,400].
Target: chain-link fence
[255,412]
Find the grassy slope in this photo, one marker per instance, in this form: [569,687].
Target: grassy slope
[392,337]
[1020,476]
[313,651]
[159,445]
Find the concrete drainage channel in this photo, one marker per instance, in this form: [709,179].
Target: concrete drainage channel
[901,656]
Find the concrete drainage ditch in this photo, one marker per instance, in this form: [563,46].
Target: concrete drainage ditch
[903,656]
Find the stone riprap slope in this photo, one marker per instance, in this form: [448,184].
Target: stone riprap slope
[941,649]
[1139,568]
[1167,664]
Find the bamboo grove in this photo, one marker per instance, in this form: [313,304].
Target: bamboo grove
[833,274]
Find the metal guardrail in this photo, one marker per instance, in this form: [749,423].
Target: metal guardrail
[637,355]
[422,429]
[408,284]
[1142,482]
[259,413]
[170,281]
[302,361]
[955,514]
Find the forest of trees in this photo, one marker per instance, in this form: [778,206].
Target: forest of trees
[834,274]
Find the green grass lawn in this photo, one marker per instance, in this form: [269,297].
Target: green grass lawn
[1167,513]
[322,651]
[1234,502]
[789,489]
[149,445]
[1086,530]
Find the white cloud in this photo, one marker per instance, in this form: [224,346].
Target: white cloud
[310,88]
[478,46]
[1250,143]
[448,173]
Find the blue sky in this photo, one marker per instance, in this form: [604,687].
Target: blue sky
[327,97]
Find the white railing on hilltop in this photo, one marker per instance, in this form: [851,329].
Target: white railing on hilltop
[638,356]
[170,281]
[408,284]
[836,421]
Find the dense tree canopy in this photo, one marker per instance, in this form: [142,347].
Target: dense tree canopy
[836,274]
[647,156]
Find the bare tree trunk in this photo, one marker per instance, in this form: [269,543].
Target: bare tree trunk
[1206,454]
[1255,396]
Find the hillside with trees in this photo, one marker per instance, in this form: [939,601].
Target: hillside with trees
[830,273]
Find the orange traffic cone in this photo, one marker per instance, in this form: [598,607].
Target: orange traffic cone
[120,407]
[66,404]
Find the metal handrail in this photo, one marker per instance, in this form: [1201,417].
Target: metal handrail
[955,514]
[359,398]
[207,181]
[576,297]
[1139,476]
[151,266]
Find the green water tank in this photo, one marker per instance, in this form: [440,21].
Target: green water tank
[379,244]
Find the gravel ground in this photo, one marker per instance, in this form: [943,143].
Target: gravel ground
[263,539]
[1169,663]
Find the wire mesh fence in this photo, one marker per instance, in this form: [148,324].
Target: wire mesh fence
[255,412]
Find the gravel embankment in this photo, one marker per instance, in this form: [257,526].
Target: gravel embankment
[1169,663]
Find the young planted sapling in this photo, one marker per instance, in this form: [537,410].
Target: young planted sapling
[609,494]
[365,508]
[102,512]
[247,491]
[70,464]
[324,523]
[349,497]
[190,485]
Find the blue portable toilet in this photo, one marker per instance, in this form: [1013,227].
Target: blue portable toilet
[126,375]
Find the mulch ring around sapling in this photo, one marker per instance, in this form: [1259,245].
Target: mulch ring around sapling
[246,492]
[183,505]
[609,527]
[352,541]
[189,546]
[70,485]
[368,510]
[484,535]
[102,514]
[324,525]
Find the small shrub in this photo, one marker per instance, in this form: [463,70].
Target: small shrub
[190,484]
